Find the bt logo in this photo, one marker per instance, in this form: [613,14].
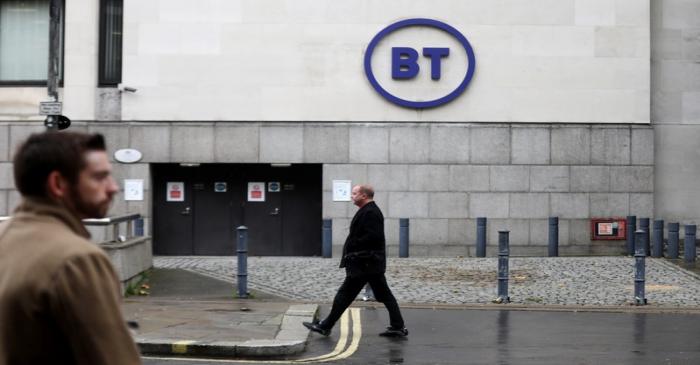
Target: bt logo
[450,73]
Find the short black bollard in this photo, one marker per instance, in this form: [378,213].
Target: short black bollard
[673,229]
[503,253]
[327,236]
[658,237]
[481,237]
[242,252]
[639,258]
[138,228]
[689,243]
[403,237]
[644,226]
[553,237]
[631,227]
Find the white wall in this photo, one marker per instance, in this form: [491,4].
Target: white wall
[574,61]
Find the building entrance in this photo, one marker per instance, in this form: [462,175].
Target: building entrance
[197,209]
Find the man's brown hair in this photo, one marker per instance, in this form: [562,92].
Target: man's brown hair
[45,152]
[367,190]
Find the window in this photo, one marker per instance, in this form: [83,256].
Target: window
[24,42]
[110,69]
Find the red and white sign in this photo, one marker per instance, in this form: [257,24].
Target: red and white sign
[176,191]
[256,191]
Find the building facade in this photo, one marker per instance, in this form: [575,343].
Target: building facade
[574,108]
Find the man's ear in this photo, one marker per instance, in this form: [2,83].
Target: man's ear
[56,185]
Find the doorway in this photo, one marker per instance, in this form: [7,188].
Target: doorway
[196,209]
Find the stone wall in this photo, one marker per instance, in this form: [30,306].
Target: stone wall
[675,108]
[441,176]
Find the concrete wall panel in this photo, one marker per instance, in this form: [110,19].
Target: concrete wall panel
[237,143]
[369,144]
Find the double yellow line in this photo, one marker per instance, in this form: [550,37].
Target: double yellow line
[341,351]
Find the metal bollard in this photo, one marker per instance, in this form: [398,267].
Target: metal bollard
[639,258]
[553,236]
[138,228]
[503,253]
[631,227]
[481,237]
[689,243]
[673,229]
[327,236]
[658,236]
[242,261]
[403,237]
[644,226]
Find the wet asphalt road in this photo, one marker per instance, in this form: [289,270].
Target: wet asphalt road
[468,336]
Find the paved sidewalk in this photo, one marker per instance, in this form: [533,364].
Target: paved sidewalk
[189,314]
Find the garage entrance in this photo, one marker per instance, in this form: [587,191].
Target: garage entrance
[196,209]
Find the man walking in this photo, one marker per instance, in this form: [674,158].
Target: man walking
[59,294]
[364,260]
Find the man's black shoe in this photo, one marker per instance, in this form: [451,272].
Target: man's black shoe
[395,332]
[314,326]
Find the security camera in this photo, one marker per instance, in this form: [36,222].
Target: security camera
[129,89]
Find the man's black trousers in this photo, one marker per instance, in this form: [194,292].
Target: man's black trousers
[351,288]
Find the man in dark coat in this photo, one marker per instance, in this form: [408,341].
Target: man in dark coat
[364,260]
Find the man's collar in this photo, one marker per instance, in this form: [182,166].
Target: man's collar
[44,206]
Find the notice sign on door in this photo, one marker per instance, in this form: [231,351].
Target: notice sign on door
[176,191]
[256,191]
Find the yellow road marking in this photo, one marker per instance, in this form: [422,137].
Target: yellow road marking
[180,347]
[338,353]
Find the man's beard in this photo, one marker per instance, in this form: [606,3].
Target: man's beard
[87,209]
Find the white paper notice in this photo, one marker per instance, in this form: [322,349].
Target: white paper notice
[341,190]
[133,189]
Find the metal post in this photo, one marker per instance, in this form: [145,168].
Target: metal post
[55,8]
[553,236]
[327,235]
[631,227]
[503,253]
[242,261]
[639,257]
[481,237]
[403,237]
[689,243]
[658,236]
[673,229]
[644,226]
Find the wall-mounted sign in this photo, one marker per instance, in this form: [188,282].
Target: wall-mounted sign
[133,189]
[220,187]
[405,59]
[608,228]
[256,191]
[127,155]
[342,190]
[175,191]
[274,187]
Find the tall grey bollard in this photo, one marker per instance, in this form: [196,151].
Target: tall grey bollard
[644,226]
[242,252]
[553,237]
[658,237]
[631,227]
[689,243]
[403,237]
[481,237]
[639,258]
[503,253]
[327,235]
[673,229]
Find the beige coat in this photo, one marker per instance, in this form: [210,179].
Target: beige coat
[59,294]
